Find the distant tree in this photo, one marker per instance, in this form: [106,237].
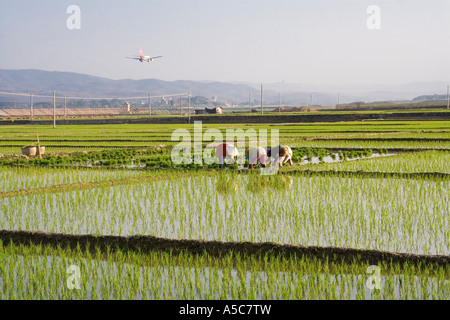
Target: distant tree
[199,100]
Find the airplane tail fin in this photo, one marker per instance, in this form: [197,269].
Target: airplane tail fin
[140,50]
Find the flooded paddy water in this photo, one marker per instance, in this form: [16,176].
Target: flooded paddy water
[396,215]
[344,206]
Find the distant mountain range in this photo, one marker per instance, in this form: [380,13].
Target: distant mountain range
[76,84]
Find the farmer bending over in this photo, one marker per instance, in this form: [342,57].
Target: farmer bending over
[257,155]
[224,151]
[280,154]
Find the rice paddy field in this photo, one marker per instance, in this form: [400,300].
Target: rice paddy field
[366,187]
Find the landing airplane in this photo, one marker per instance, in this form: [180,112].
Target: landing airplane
[143,58]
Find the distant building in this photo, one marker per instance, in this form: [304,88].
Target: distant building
[126,107]
[218,110]
[164,101]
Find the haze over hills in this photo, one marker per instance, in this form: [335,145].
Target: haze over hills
[82,85]
[75,84]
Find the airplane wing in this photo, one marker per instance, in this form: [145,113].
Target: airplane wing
[132,58]
[155,57]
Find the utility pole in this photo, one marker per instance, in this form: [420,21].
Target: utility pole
[149,105]
[310,101]
[31,106]
[65,109]
[261,99]
[38,146]
[189,107]
[279,105]
[54,110]
[448,97]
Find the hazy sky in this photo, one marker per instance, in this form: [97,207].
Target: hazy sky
[297,41]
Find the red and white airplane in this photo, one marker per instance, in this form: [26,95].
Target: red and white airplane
[143,58]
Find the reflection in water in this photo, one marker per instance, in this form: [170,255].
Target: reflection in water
[379,214]
[260,183]
[229,183]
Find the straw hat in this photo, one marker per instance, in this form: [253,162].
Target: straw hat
[284,151]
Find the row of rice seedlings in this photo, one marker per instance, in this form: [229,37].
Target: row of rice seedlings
[429,161]
[20,178]
[385,214]
[56,149]
[120,140]
[371,144]
[111,138]
[101,144]
[397,135]
[139,132]
[41,272]
[295,143]
[70,131]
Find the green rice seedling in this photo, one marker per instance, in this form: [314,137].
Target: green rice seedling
[16,178]
[345,211]
[384,214]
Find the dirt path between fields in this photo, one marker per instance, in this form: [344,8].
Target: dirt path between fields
[256,118]
[147,244]
[360,174]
